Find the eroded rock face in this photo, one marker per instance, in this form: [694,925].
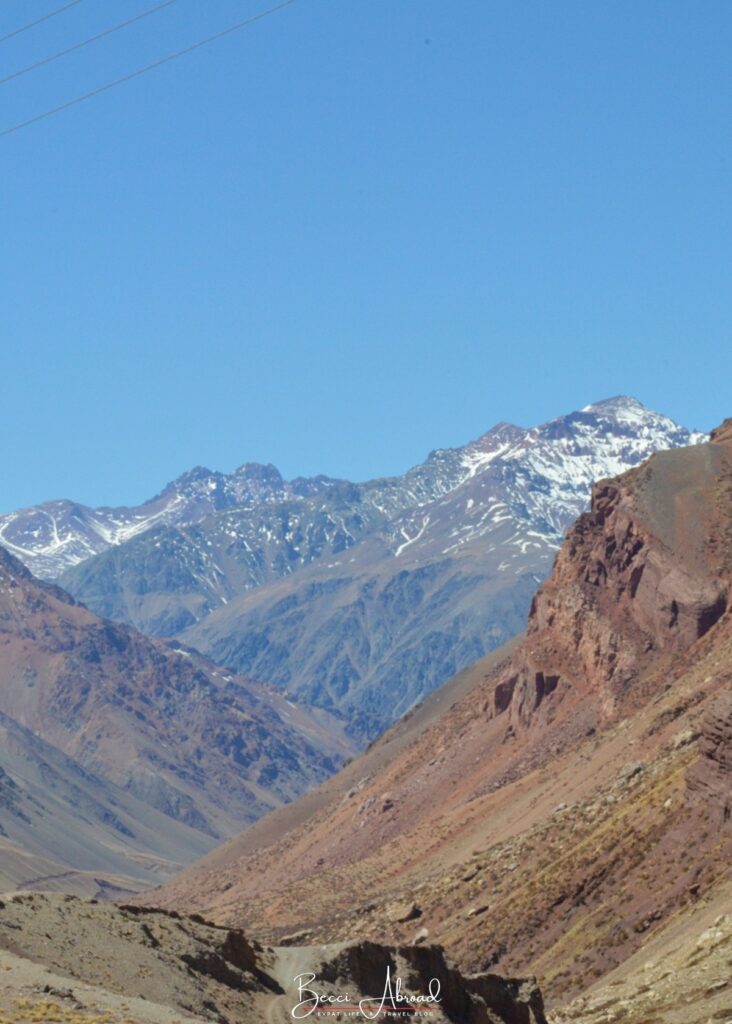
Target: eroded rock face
[629,586]
[710,778]
[471,999]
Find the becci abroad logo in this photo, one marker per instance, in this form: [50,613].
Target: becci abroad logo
[393,1002]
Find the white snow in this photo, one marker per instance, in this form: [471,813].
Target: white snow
[410,540]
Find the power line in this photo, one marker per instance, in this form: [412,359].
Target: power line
[38,21]
[86,42]
[148,67]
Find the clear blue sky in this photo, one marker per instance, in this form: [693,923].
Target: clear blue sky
[355,231]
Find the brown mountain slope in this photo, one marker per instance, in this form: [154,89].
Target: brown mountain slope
[572,800]
[62,827]
[205,749]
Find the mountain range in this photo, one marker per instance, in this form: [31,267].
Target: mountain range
[56,535]
[357,598]
[563,807]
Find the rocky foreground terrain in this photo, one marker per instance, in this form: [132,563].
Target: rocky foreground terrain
[564,808]
[125,965]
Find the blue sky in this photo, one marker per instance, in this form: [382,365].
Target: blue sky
[355,231]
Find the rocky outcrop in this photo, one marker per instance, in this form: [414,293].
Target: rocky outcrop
[166,958]
[723,432]
[218,974]
[471,999]
[630,585]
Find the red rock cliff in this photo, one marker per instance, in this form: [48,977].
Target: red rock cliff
[638,580]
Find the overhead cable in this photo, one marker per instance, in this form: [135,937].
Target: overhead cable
[148,67]
[86,42]
[38,21]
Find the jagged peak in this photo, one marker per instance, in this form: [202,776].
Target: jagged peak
[618,403]
[505,431]
[258,471]
[194,475]
[627,411]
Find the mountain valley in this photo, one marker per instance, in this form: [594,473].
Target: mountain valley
[563,807]
[551,826]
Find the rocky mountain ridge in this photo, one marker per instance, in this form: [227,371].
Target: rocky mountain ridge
[51,537]
[636,581]
[363,598]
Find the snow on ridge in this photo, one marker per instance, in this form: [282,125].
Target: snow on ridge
[545,475]
[542,475]
[475,461]
[625,433]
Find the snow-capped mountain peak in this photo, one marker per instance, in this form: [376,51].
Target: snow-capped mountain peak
[543,475]
[527,485]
